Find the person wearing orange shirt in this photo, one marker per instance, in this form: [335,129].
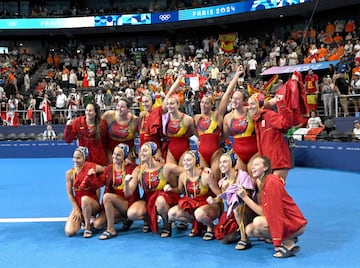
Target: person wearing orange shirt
[336,53]
[11,77]
[330,28]
[322,53]
[56,61]
[50,61]
[350,26]
[328,39]
[113,59]
[338,38]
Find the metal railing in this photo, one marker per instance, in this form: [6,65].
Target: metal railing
[65,114]
[338,108]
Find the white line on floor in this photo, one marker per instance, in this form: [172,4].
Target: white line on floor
[13,220]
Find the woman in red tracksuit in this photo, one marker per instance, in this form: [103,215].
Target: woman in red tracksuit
[90,130]
[82,192]
[279,218]
[270,127]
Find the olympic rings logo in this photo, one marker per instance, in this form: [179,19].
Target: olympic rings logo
[164,17]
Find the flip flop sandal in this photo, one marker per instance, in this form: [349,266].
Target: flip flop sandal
[87,234]
[242,245]
[107,235]
[285,253]
[146,228]
[165,233]
[208,236]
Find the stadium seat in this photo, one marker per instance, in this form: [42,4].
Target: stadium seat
[11,137]
[32,136]
[323,135]
[336,135]
[22,136]
[39,137]
[329,124]
[60,136]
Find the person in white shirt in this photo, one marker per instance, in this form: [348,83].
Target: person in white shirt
[144,72]
[283,60]
[49,133]
[61,103]
[292,57]
[103,63]
[206,45]
[99,99]
[91,77]
[314,121]
[72,79]
[252,64]
[199,53]
[130,93]
[26,82]
[356,130]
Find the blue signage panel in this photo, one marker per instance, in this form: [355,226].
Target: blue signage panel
[164,17]
[136,19]
[118,20]
[328,154]
[107,20]
[234,8]
[145,18]
[213,11]
[268,4]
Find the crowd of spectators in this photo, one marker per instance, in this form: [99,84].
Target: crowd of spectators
[68,81]
[78,8]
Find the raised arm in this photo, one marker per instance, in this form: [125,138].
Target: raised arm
[172,89]
[70,132]
[226,96]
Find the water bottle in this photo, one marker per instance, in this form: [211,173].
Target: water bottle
[174,229]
